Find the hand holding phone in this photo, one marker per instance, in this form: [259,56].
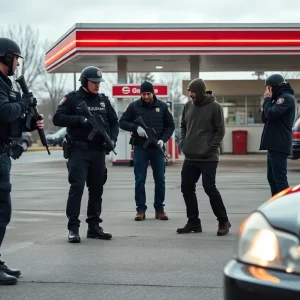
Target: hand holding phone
[268,92]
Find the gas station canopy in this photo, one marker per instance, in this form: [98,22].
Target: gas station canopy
[176,47]
[193,48]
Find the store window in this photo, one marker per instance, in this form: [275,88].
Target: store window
[254,109]
[234,108]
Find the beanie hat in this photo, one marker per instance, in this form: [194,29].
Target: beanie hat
[147,87]
[197,86]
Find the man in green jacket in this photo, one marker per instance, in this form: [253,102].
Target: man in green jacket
[202,132]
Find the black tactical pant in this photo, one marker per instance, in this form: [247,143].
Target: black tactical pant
[277,171]
[190,174]
[85,166]
[5,189]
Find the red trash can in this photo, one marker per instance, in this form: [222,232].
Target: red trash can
[239,141]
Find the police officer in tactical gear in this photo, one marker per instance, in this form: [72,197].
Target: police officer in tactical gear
[278,117]
[14,119]
[156,115]
[86,163]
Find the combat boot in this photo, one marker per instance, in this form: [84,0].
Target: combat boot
[223,228]
[190,227]
[12,272]
[6,279]
[97,232]
[74,236]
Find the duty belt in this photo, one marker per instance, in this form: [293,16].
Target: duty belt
[88,146]
[13,149]
[79,144]
[5,149]
[85,145]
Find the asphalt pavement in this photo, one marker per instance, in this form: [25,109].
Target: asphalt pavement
[144,260]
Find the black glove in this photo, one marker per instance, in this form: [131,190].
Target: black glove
[107,148]
[83,121]
[29,100]
[114,143]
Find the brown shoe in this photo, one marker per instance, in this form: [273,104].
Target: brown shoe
[161,215]
[223,228]
[189,227]
[140,216]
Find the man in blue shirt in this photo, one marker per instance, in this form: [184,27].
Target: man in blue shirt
[155,114]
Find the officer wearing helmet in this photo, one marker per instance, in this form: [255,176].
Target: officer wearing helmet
[14,118]
[278,117]
[86,161]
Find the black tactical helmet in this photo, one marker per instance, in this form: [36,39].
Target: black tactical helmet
[91,74]
[275,80]
[9,49]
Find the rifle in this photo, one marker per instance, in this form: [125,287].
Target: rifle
[21,81]
[151,139]
[98,126]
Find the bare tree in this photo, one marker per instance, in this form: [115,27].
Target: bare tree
[174,82]
[286,75]
[138,78]
[32,64]
[53,85]
[290,75]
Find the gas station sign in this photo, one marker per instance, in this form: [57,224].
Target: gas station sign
[133,90]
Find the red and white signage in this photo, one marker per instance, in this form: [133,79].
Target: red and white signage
[133,90]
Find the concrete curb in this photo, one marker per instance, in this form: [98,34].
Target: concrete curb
[43,148]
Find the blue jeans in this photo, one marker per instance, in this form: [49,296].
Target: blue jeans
[141,160]
[277,172]
[5,188]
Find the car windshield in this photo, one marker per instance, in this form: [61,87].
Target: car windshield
[60,131]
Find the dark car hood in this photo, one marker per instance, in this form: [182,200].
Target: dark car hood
[284,213]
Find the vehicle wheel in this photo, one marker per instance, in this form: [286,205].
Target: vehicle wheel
[24,145]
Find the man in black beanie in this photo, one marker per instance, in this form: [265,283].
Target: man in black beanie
[156,114]
[202,132]
[146,87]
